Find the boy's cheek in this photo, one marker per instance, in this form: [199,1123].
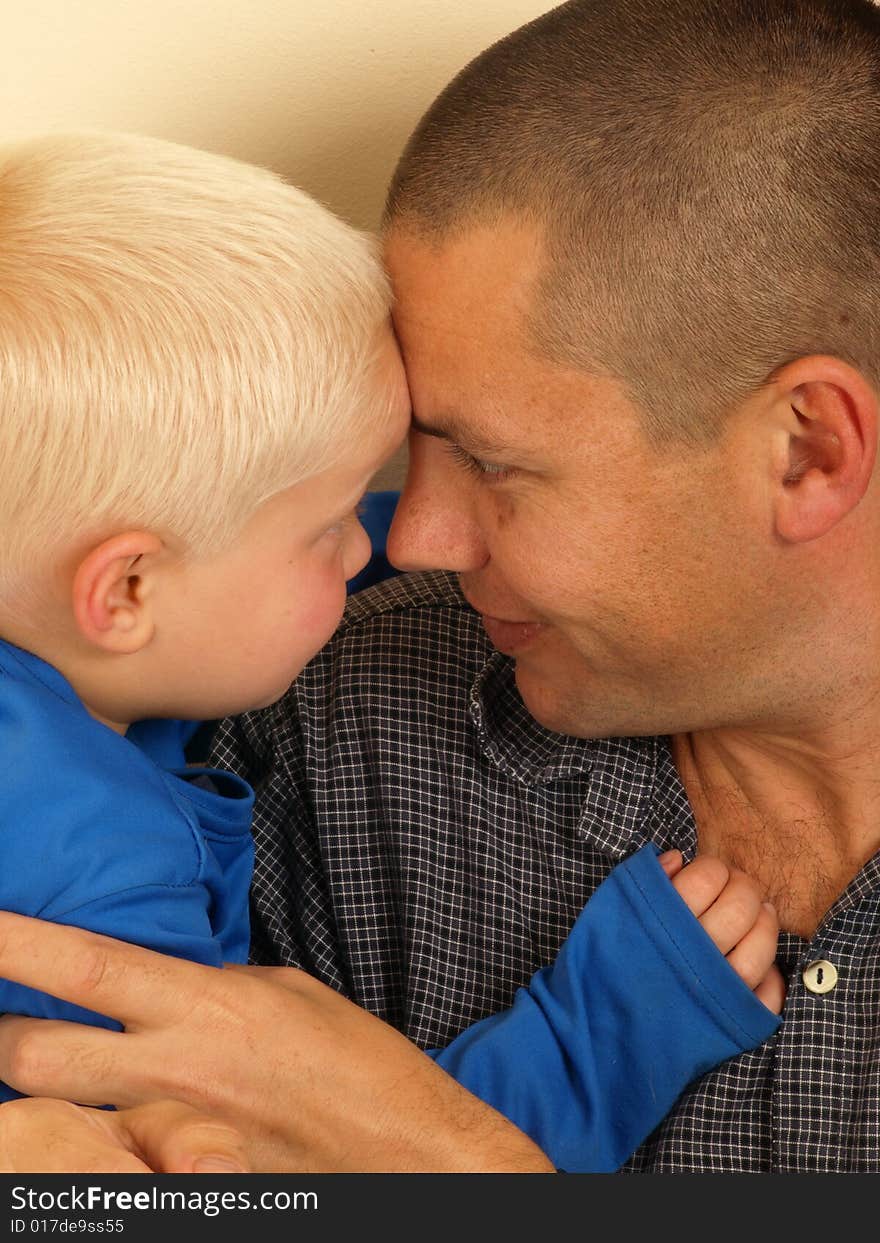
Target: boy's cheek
[323,611]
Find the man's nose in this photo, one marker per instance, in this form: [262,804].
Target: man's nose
[435,526]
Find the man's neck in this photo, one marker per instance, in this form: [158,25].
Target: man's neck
[799,814]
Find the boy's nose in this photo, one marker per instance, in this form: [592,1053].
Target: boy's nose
[357,550]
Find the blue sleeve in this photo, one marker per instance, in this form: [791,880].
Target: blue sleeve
[595,1051]
[172,919]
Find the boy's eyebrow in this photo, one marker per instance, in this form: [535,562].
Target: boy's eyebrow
[473,439]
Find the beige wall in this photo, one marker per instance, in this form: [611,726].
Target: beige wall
[324,91]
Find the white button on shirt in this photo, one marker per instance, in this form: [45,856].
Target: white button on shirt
[820,976]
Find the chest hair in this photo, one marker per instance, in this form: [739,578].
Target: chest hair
[800,864]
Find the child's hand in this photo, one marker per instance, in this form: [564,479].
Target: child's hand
[728,905]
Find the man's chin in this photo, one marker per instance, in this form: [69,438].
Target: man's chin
[577,711]
[587,715]
[549,707]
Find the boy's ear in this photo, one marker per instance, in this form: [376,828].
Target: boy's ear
[111,592]
[827,445]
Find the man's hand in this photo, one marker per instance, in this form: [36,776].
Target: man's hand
[312,1082]
[55,1137]
[728,904]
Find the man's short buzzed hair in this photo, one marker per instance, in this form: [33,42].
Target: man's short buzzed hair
[706,177]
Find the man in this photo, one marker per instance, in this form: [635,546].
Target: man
[636,267]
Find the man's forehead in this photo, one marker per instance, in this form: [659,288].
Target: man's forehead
[477,376]
[470,270]
[459,315]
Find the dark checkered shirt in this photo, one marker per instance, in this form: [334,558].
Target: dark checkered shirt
[423,846]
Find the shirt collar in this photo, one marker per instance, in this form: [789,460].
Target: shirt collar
[620,773]
[33,668]
[633,791]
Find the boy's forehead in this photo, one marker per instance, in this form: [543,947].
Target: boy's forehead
[391,388]
[373,441]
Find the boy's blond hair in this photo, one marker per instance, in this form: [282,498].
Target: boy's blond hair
[182,336]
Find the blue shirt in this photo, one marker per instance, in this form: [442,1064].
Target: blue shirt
[112,833]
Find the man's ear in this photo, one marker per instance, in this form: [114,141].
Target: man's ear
[827,445]
[111,592]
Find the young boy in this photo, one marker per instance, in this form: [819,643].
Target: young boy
[198,382]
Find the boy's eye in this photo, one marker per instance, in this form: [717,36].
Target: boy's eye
[489,472]
[353,516]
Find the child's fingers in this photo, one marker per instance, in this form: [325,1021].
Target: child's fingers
[700,883]
[671,862]
[771,990]
[734,912]
[729,908]
[752,956]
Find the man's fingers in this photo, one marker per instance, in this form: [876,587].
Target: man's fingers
[173,1138]
[44,1057]
[125,982]
[55,1137]
[44,1136]
[753,955]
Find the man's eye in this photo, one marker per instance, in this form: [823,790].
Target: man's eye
[489,472]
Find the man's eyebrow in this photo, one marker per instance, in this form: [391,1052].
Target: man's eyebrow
[425,429]
[473,439]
